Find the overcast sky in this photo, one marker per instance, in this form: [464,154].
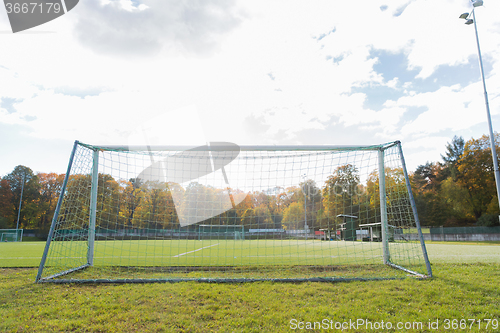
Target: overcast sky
[247,72]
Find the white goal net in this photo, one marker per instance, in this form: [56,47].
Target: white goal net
[223,212]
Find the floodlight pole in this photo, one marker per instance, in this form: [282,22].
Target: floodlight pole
[20,202]
[306,228]
[492,137]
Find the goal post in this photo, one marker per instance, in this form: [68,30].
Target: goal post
[414,211]
[93,207]
[222,212]
[383,206]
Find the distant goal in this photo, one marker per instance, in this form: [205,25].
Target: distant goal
[11,235]
[228,213]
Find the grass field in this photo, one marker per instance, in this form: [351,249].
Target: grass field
[275,258]
[28,254]
[194,252]
[464,288]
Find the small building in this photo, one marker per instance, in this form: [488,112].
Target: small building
[348,227]
[327,234]
[375,232]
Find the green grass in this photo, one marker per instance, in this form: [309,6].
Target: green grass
[275,258]
[21,254]
[464,286]
[458,291]
[456,252]
[28,254]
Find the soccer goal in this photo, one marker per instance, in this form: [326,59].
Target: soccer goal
[228,213]
[11,235]
[209,231]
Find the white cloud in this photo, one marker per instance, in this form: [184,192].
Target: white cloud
[119,28]
[393,83]
[79,82]
[177,127]
[428,142]
[452,108]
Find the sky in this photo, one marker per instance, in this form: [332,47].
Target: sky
[248,72]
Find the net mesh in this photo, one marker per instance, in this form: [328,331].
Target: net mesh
[225,214]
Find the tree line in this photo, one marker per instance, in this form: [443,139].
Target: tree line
[125,204]
[459,190]
[39,193]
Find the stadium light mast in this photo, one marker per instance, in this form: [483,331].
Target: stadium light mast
[20,202]
[469,19]
[306,228]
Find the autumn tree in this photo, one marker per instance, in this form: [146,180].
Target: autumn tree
[290,195]
[260,198]
[108,202]
[77,201]
[22,179]
[293,217]
[432,206]
[263,218]
[341,190]
[132,195]
[456,198]
[428,177]
[156,209]
[50,185]
[312,200]
[454,151]
[7,207]
[272,199]
[242,208]
[248,218]
[396,196]
[476,174]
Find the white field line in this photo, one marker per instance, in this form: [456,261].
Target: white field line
[462,255]
[279,256]
[25,243]
[10,258]
[194,250]
[176,256]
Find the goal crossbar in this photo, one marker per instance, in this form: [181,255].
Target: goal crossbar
[223,147]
